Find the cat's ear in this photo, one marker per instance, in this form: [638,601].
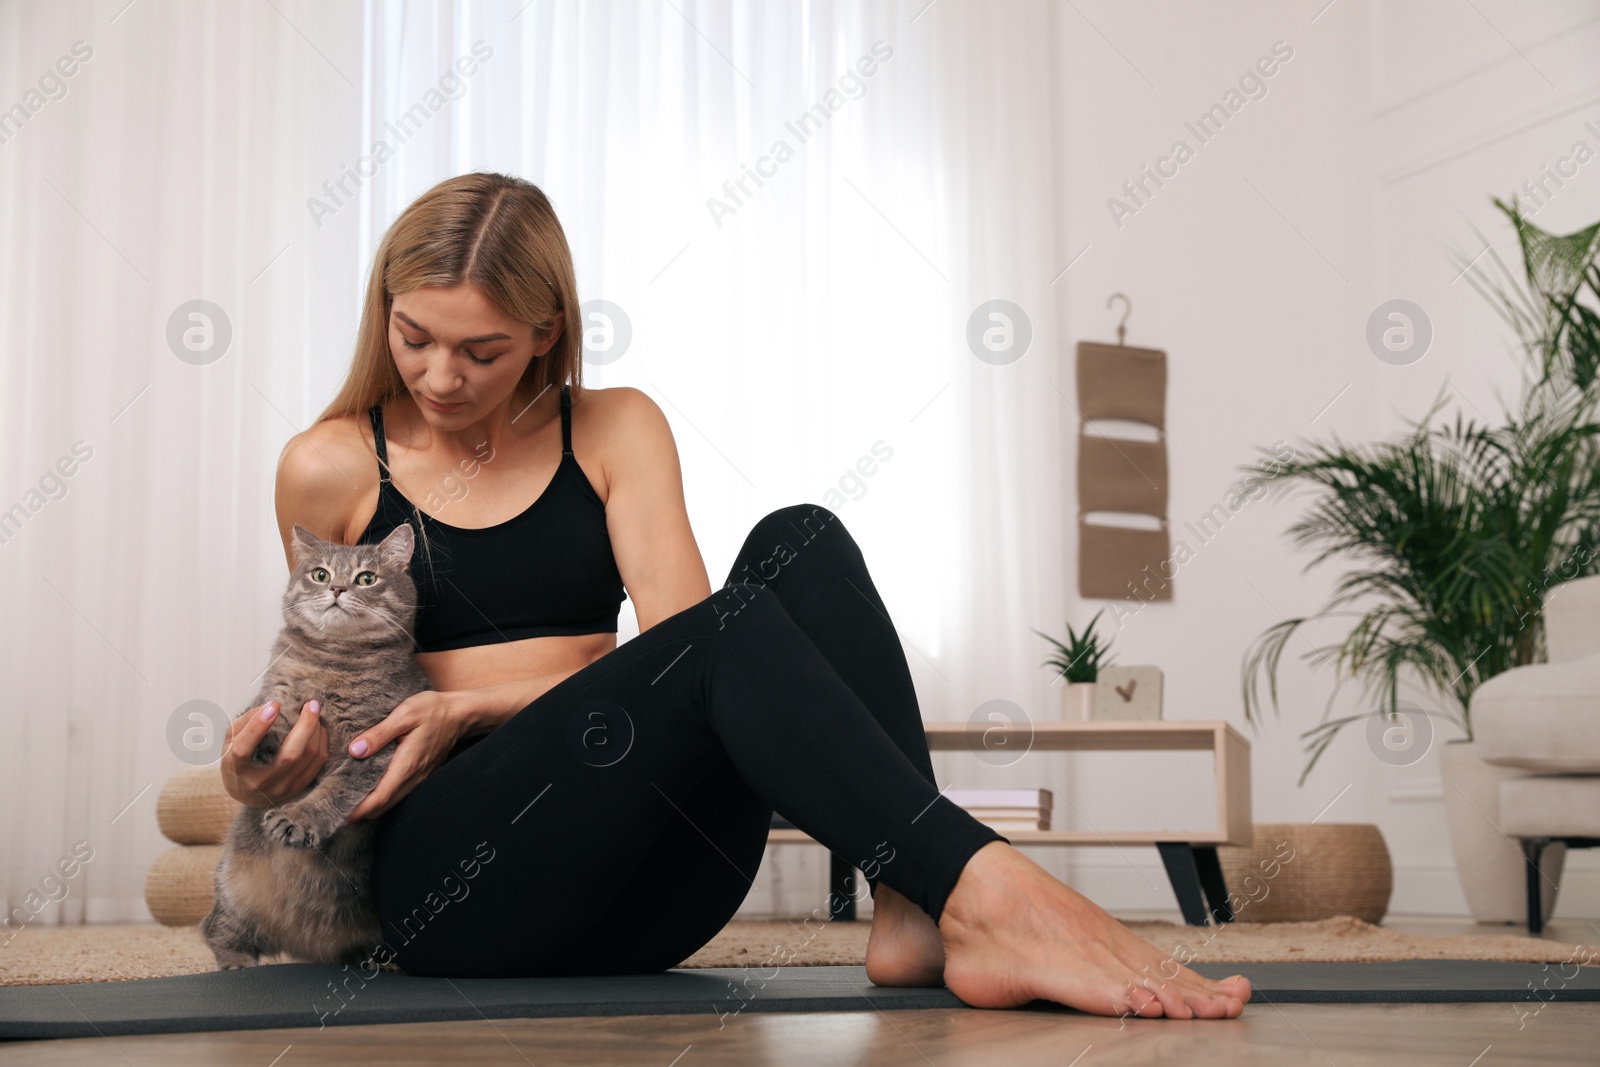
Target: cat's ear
[303,542]
[395,550]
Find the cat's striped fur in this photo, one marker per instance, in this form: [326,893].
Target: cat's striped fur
[294,879]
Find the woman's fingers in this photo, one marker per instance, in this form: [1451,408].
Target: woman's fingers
[299,736]
[310,763]
[241,776]
[397,722]
[384,792]
[398,779]
[246,732]
[320,746]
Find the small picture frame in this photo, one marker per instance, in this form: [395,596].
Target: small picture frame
[1128,694]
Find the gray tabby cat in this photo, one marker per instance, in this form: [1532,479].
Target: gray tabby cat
[294,879]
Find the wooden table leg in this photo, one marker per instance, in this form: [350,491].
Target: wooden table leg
[1184,874]
[1211,881]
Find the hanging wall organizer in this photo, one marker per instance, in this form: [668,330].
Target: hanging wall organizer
[1122,474]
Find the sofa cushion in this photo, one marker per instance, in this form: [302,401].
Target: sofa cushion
[1545,806]
[1572,619]
[1544,717]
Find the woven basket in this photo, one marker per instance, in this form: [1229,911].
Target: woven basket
[180,887]
[1303,872]
[194,809]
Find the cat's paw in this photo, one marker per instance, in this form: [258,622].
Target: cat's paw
[231,960]
[285,828]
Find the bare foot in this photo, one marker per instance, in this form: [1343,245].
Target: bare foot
[904,948]
[1013,934]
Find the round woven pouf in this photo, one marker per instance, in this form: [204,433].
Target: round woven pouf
[181,885]
[1302,872]
[194,809]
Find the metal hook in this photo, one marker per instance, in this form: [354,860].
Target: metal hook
[1122,327]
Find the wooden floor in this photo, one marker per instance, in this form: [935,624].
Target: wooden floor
[1460,1035]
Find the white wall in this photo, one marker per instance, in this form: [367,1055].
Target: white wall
[1373,152]
[1248,267]
[1459,113]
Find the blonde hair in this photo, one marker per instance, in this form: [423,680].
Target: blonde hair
[497,232]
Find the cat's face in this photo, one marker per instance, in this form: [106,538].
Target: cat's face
[349,590]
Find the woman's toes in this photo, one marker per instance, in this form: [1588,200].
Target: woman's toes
[1175,999]
[1143,1003]
[1204,1003]
[1175,1005]
[1236,986]
[1227,1008]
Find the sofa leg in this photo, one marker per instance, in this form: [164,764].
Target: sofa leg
[1532,850]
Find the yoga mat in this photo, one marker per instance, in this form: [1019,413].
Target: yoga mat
[298,995]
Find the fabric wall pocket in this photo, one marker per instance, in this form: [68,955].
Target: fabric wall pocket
[1117,563]
[1122,475]
[1120,382]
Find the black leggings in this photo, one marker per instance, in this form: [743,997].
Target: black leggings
[615,824]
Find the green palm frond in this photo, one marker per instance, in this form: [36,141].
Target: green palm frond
[1452,532]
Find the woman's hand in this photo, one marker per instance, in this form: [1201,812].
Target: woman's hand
[427,726]
[299,758]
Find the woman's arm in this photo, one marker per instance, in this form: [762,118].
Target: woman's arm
[628,438]
[646,516]
[424,728]
[312,488]
[484,708]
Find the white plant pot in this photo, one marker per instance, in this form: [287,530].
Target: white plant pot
[1077,701]
[1489,864]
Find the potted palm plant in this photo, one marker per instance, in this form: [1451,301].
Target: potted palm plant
[1451,535]
[1079,661]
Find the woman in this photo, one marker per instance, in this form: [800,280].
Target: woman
[612,804]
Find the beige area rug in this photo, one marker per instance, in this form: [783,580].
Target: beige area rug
[106,953]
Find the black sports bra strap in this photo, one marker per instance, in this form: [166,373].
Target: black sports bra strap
[566,421]
[376,413]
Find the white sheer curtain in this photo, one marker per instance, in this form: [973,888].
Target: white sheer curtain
[806,335]
[172,165]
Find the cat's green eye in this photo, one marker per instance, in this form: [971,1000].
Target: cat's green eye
[366,578]
[319,575]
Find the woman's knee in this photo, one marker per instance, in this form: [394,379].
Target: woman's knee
[808,519]
[787,534]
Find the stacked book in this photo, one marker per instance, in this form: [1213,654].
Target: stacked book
[1005,810]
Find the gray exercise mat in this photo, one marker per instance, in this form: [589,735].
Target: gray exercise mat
[297,995]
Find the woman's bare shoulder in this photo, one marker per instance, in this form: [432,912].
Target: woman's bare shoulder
[623,432]
[619,416]
[324,473]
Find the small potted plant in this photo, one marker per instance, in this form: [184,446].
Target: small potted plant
[1079,661]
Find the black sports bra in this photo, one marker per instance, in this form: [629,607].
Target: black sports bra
[548,571]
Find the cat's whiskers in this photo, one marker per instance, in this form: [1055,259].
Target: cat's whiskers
[385,615]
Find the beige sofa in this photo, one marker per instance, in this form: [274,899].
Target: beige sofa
[1545,719]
